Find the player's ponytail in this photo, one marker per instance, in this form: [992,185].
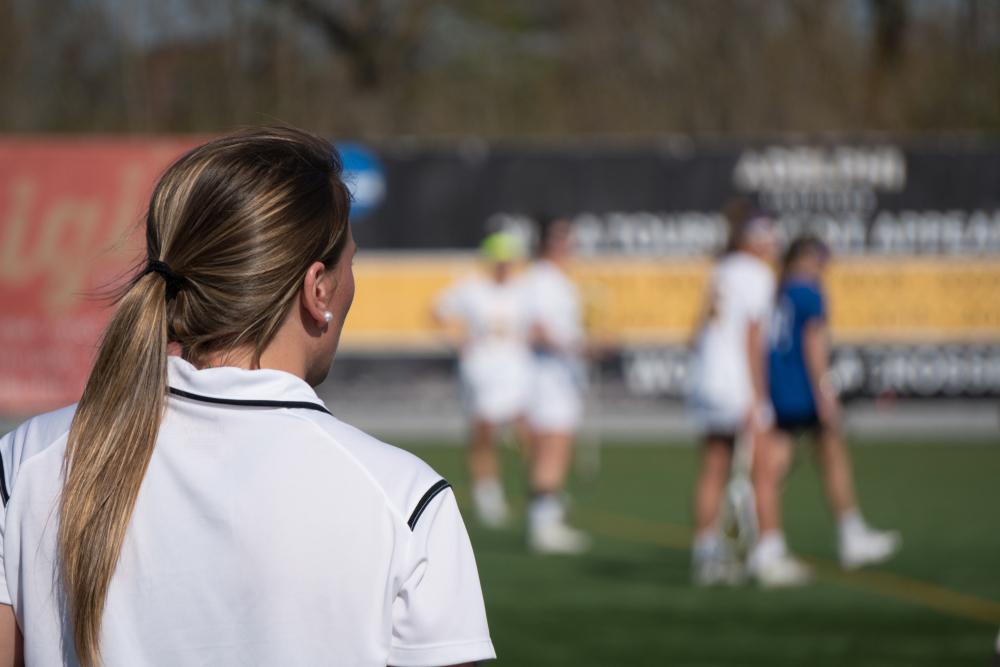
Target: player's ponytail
[802,245]
[110,444]
[735,213]
[231,229]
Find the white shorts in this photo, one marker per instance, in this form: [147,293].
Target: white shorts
[717,417]
[556,404]
[718,400]
[495,390]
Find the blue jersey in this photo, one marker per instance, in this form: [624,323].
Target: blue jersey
[799,302]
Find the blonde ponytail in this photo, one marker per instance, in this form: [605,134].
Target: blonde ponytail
[231,229]
[110,444]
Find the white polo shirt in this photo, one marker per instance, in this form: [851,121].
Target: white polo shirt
[266,532]
[495,315]
[742,292]
[554,304]
[559,377]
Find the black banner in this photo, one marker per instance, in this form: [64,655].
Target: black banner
[664,198]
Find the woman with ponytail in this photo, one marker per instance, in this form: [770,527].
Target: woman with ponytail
[200,505]
[806,403]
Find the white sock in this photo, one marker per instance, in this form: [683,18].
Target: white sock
[488,492]
[850,524]
[546,509]
[707,545]
[769,546]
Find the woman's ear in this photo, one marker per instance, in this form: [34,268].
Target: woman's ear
[318,287]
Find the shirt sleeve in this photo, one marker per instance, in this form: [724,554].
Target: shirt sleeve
[759,296]
[6,454]
[556,311]
[811,306]
[439,617]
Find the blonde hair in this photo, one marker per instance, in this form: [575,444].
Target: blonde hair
[231,229]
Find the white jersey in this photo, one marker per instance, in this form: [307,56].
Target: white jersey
[495,363]
[559,377]
[493,314]
[555,305]
[266,532]
[741,293]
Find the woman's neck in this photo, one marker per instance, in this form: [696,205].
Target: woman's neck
[275,357]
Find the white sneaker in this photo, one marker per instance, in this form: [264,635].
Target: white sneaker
[868,547]
[557,538]
[491,506]
[717,572]
[782,572]
[493,516]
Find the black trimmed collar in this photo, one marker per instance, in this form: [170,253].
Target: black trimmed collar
[264,388]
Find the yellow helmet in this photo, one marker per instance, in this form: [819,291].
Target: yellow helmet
[501,247]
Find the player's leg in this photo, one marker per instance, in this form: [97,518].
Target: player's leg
[835,467]
[709,556]
[552,452]
[716,460]
[484,468]
[554,415]
[522,433]
[770,562]
[858,543]
[483,396]
[551,456]
[772,455]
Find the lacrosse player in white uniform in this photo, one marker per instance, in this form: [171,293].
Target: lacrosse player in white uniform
[559,378]
[487,319]
[728,391]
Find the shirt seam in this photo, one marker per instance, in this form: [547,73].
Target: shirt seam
[431,647]
[12,487]
[367,473]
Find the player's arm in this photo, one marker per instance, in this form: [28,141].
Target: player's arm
[11,649]
[757,290]
[540,335]
[816,350]
[544,341]
[452,329]
[448,317]
[755,359]
[705,314]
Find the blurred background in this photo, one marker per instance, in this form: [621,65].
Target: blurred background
[873,123]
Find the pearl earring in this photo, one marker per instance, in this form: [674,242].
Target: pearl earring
[327,316]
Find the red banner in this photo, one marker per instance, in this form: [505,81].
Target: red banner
[69,213]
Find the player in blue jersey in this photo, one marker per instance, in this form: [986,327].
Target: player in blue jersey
[805,401]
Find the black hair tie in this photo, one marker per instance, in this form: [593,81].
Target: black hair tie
[175,281]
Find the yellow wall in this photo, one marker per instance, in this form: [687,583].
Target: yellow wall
[657,300]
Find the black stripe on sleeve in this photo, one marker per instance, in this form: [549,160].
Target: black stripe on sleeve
[4,495]
[438,487]
[305,405]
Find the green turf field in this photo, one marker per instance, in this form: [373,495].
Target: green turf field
[630,602]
